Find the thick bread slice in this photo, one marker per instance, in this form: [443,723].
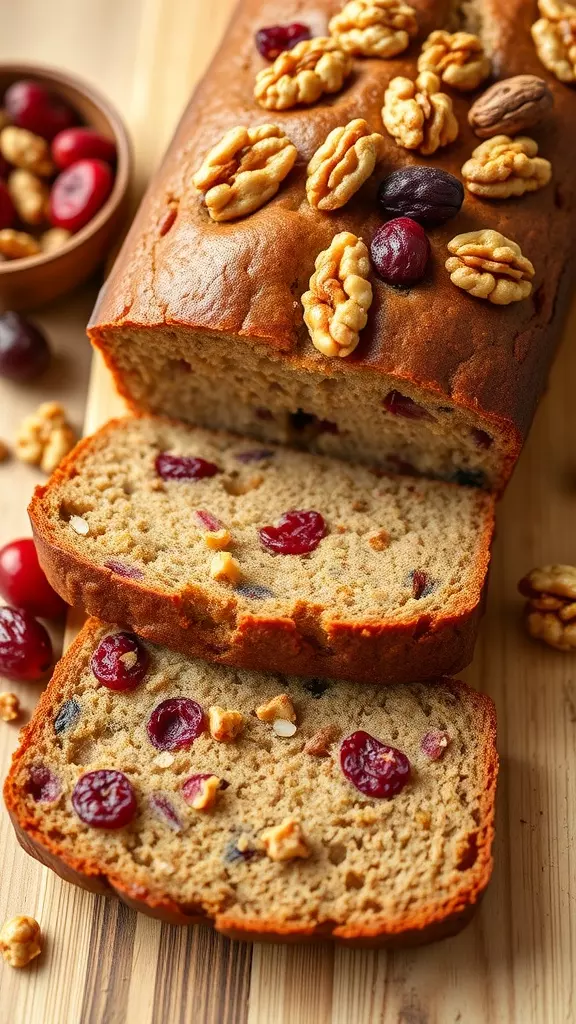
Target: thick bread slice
[392,593]
[405,869]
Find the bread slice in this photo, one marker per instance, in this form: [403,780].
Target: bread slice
[391,593]
[359,868]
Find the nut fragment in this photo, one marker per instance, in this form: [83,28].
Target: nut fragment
[320,743]
[15,245]
[208,790]
[457,58]
[554,36]
[54,239]
[503,167]
[217,540]
[285,841]
[511,107]
[9,707]
[551,607]
[20,940]
[342,164]
[224,567]
[374,28]
[303,74]
[24,149]
[45,437]
[418,115]
[336,306]
[280,706]
[490,266]
[225,725]
[244,170]
[29,195]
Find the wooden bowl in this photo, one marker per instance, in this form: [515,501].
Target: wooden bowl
[35,280]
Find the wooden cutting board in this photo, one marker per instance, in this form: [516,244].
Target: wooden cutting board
[104,964]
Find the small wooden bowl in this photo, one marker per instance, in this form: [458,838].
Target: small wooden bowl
[35,280]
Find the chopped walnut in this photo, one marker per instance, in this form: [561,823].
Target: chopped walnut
[217,540]
[225,567]
[9,707]
[20,940]
[418,115]
[320,743]
[45,437]
[285,841]
[244,170]
[374,28]
[490,266]
[551,607]
[30,196]
[301,75]
[280,706]
[380,540]
[225,725]
[457,58]
[554,36]
[342,164]
[24,149]
[16,245]
[336,306]
[207,794]
[503,167]
[53,239]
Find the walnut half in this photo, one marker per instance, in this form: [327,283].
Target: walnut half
[457,58]
[374,28]
[418,115]
[342,164]
[554,36]
[490,266]
[551,607]
[502,167]
[336,306]
[301,75]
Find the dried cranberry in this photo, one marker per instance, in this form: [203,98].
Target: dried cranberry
[373,767]
[192,786]
[104,799]
[29,105]
[184,467]
[164,809]
[481,438]
[67,717]
[255,591]
[256,455]
[78,193]
[175,723]
[23,583]
[298,532]
[425,194]
[43,785]
[422,585]
[274,39]
[434,743]
[401,405]
[400,251]
[7,211]
[25,647]
[207,520]
[120,661]
[75,144]
[24,351]
[130,572]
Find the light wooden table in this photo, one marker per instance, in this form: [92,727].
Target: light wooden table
[104,964]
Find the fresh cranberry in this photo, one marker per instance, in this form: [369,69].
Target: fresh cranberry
[81,144]
[29,105]
[43,785]
[400,251]
[67,717]
[79,192]
[298,532]
[481,438]
[274,39]
[175,723]
[23,583]
[256,455]
[434,743]
[24,351]
[104,799]
[25,647]
[7,211]
[207,520]
[120,661]
[401,405]
[164,809]
[130,572]
[373,767]
[184,467]
[193,785]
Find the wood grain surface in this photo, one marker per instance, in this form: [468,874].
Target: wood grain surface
[104,964]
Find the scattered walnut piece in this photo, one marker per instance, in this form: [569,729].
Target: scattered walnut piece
[380,540]
[16,245]
[503,167]
[511,106]
[301,75]
[20,940]
[4,451]
[207,795]
[54,239]
[217,540]
[285,841]
[336,306]
[418,115]
[9,707]
[30,196]
[45,437]
[224,567]
[342,164]
[551,607]
[554,36]
[490,266]
[458,58]
[319,744]
[244,170]
[374,28]
[225,725]
[280,706]
[25,150]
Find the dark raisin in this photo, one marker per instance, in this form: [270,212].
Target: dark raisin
[422,584]
[67,716]
[254,591]
[426,194]
[316,687]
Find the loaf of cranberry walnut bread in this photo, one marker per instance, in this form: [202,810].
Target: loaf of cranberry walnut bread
[268,806]
[266,558]
[203,319]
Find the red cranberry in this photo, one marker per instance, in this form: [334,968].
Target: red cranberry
[422,585]
[25,647]
[401,405]
[79,192]
[24,351]
[400,251]
[481,438]
[164,809]
[120,661]
[434,743]
[298,532]
[7,211]
[184,467]
[256,455]
[373,767]
[104,799]
[29,105]
[43,785]
[274,39]
[130,572]
[23,583]
[175,723]
[81,144]
[207,520]
[193,785]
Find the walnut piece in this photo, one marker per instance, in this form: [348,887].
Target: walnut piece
[303,74]
[24,149]
[551,607]
[457,58]
[54,239]
[217,540]
[554,36]
[15,245]
[285,841]
[9,707]
[511,107]
[490,266]
[342,164]
[374,28]
[336,306]
[503,167]
[319,744]
[30,196]
[20,940]
[244,170]
[418,115]
[225,725]
[225,567]
[279,707]
[207,793]
[45,437]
